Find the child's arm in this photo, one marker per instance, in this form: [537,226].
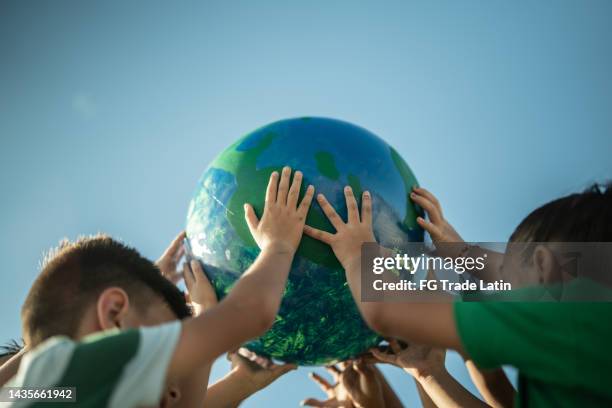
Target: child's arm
[250,373]
[250,308]
[11,366]
[427,323]
[202,297]
[448,241]
[447,392]
[426,366]
[493,385]
[389,395]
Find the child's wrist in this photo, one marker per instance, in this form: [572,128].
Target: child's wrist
[279,248]
[352,264]
[246,385]
[237,387]
[427,374]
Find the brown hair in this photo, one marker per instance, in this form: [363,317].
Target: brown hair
[579,217]
[74,274]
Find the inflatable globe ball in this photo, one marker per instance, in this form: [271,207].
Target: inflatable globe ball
[318,321]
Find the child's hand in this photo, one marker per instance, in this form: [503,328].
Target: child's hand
[418,361]
[356,386]
[346,242]
[438,228]
[201,293]
[168,262]
[280,229]
[254,372]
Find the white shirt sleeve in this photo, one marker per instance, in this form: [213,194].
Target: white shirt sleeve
[143,379]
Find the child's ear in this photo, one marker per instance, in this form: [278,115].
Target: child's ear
[112,308]
[545,264]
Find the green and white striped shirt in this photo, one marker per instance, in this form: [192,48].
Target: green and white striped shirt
[111,369]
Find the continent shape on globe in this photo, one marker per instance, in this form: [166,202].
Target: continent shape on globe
[318,321]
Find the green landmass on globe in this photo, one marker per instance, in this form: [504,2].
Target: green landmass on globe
[318,321]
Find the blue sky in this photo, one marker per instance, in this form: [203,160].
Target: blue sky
[110,111]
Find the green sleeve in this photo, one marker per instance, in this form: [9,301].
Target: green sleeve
[536,338]
[97,364]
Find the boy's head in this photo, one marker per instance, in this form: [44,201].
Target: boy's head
[97,283]
[579,217]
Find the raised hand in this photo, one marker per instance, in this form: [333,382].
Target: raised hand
[356,386]
[350,235]
[438,228]
[254,372]
[168,262]
[417,360]
[281,226]
[249,374]
[201,293]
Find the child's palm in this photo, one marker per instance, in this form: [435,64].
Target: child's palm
[282,224]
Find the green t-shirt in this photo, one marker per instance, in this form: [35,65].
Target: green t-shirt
[561,350]
[111,369]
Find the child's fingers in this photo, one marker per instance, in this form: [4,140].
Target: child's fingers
[246,353]
[351,205]
[395,347]
[294,191]
[174,278]
[199,274]
[433,230]
[272,189]
[305,204]
[366,208]
[311,402]
[430,197]
[326,386]
[361,368]
[263,362]
[250,217]
[283,186]
[383,357]
[279,370]
[350,379]
[179,254]
[330,212]
[188,276]
[175,245]
[368,357]
[434,214]
[318,234]
[334,371]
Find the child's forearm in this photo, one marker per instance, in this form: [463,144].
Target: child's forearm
[247,312]
[426,400]
[390,397]
[10,368]
[264,283]
[352,269]
[446,392]
[427,322]
[493,385]
[226,393]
